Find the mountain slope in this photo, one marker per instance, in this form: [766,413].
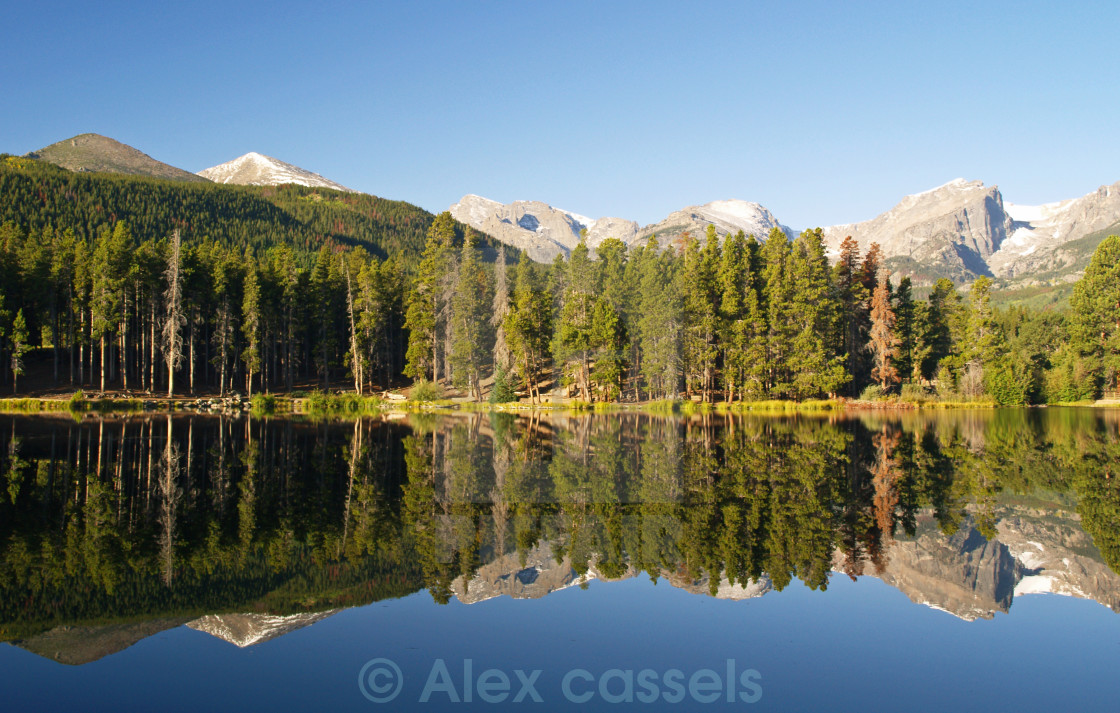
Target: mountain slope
[95,153]
[254,169]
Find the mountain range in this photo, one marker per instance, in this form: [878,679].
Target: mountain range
[961,230]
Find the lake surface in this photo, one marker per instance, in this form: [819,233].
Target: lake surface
[962,560]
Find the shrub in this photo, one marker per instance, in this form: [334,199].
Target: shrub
[77,402]
[424,390]
[263,404]
[913,392]
[874,392]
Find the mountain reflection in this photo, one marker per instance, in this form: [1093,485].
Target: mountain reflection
[112,530]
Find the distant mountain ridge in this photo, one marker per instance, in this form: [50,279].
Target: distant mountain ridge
[99,154]
[545,232]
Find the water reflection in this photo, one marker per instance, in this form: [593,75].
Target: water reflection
[115,529]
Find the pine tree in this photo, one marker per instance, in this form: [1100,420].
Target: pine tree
[984,342]
[573,342]
[734,280]
[607,344]
[659,328]
[18,347]
[498,312]
[1095,319]
[111,258]
[174,318]
[251,325]
[701,313]
[427,308]
[326,292]
[850,292]
[904,329]
[529,327]
[471,343]
[227,286]
[777,297]
[934,332]
[883,342]
[817,368]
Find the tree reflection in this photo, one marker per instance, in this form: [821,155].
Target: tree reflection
[108,519]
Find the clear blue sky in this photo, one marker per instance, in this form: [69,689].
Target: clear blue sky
[825,112]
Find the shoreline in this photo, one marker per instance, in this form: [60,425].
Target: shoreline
[350,404]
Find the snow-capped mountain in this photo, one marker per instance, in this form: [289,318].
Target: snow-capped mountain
[544,231]
[254,169]
[537,228]
[728,216]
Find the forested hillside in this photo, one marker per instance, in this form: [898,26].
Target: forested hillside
[236,287]
[35,195]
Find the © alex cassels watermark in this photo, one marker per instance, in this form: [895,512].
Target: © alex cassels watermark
[381,681]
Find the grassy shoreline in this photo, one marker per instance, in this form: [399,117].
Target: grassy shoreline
[351,405]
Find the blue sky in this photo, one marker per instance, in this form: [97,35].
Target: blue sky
[825,112]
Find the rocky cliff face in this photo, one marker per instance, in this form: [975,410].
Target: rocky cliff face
[960,230]
[1037,551]
[965,575]
[952,229]
[724,588]
[963,229]
[540,574]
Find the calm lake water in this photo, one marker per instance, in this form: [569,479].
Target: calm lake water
[962,560]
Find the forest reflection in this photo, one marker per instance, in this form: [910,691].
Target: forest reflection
[112,520]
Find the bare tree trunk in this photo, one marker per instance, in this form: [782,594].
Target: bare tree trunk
[169,500]
[355,358]
[172,328]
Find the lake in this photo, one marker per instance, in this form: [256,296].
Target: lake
[882,561]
